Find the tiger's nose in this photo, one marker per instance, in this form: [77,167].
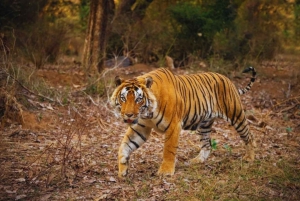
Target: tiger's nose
[129,114]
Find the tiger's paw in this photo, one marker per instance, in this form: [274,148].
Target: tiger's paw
[123,167]
[195,160]
[166,169]
[123,170]
[249,152]
[201,158]
[249,157]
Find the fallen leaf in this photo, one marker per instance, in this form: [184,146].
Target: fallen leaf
[49,107]
[111,179]
[262,124]
[45,197]
[21,180]
[19,197]
[11,192]
[76,85]
[252,118]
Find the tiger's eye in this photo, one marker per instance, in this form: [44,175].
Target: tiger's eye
[138,100]
[122,98]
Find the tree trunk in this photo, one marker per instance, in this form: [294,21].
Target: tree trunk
[95,41]
[100,20]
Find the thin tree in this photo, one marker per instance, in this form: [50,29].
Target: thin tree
[101,18]
[94,48]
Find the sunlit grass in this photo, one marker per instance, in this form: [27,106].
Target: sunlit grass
[236,180]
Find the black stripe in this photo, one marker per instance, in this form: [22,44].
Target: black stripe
[207,126]
[224,97]
[234,111]
[128,145]
[139,134]
[162,116]
[205,132]
[167,74]
[170,76]
[240,124]
[238,117]
[205,101]
[205,145]
[141,125]
[208,79]
[158,111]
[191,95]
[133,142]
[203,139]
[158,77]
[168,125]
[242,130]
[245,133]
[200,89]
[216,92]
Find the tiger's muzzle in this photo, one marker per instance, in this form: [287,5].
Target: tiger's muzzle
[130,118]
[129,121]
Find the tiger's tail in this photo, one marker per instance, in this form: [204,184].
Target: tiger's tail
[248,87]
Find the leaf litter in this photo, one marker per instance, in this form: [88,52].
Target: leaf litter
[70,152]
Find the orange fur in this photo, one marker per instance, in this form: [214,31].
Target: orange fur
[168,103]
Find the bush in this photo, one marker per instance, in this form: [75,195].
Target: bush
[198,24]
[41,42]
[20,13]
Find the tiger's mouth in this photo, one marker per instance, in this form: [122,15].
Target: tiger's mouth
[130,121]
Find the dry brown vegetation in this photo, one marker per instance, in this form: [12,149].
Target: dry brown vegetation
[66,146]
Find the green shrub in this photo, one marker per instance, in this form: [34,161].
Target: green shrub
[197,25]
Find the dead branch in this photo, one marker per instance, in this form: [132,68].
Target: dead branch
[293,98]
[32,92]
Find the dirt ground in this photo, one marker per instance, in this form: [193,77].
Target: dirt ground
[69,151]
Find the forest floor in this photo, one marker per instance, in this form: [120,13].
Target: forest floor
[67,149]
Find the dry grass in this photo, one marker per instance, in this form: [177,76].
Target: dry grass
[77,160]
[10,109]
[71,154]
[235,180]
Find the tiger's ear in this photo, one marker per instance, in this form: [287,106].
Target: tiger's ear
[118,80]
[149,82]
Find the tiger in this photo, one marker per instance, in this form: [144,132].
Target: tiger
[168,103]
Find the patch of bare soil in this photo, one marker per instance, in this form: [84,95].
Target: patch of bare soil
[62,78]
[70,152]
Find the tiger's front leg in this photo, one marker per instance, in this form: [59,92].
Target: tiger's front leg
[135,136]
[170,148]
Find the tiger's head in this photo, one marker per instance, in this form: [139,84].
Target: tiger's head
[134,99]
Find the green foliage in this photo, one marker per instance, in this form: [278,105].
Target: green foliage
[228,148]
[25,77]
[297,20]
[236,30]
[37,30]
[198,24]
[214,144]
[19,13]
[84,9]
[259,33]
[95,88]
[289,129]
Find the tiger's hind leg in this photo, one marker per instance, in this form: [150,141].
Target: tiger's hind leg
[241,126]
[205,143]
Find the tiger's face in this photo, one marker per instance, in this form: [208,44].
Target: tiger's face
[134,99]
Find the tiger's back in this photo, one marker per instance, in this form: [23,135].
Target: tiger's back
[193,98]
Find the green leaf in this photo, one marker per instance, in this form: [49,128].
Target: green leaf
[213,144]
